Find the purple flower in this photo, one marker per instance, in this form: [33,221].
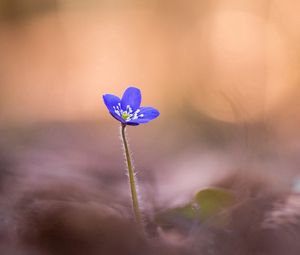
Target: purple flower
[127,110]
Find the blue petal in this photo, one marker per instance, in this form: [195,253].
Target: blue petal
[149,113]
[132,123]
[111,101]
[132,97]
[117,117]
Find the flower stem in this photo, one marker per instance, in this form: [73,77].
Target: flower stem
[132,180]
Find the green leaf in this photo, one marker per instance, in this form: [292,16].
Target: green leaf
[207,203]
[211,201]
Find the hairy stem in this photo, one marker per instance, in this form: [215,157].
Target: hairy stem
[132,181]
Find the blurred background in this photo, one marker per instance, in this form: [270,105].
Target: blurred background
[224,75]
[230,60]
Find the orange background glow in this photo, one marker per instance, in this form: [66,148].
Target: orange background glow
[232,61]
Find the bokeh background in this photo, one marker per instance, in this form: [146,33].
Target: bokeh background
[224,75]
[221,72]
[228,60]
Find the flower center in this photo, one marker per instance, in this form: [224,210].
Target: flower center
[128,114]
[125,115]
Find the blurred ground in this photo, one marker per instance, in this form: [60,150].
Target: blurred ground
[64,189]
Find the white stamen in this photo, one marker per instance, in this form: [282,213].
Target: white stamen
[129,112]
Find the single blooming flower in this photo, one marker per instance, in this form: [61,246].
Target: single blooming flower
[127,110]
